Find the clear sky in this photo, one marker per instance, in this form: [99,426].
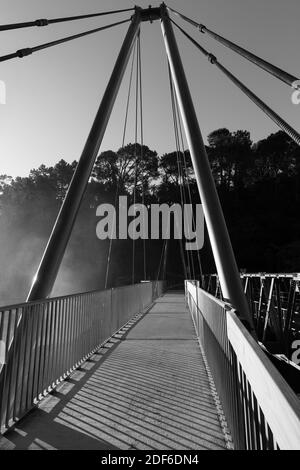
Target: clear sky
[53,95]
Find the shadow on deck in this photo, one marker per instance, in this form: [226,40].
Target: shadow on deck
[148,388]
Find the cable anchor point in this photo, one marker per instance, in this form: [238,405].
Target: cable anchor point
[41,22]
[212,58]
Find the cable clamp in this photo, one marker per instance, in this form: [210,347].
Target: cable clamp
[212,59]
[41,22]
[202,28]
[24,52]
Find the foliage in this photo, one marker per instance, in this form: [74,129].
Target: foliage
[258,185]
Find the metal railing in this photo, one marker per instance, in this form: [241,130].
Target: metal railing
[274,301]
[261,410]
[42,342]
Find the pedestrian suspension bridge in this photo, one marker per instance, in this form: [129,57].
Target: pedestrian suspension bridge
[147,366]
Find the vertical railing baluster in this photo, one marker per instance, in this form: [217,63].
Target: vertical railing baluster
[72,335]
[39,313]
[85,323]
[91,316]
[44,310]
[12,390]
[69,341]
[48,333]
[27,336]
[81,325]
[12,372]
[7,328]
[63,339]
[2,364]
[33,327]
[19,356]
[54,352]
[87,316]
[76,346]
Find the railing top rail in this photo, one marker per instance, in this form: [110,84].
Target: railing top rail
[295,276]
[48,300]
[42,342]
[223,304]
[279,403]
[63,297]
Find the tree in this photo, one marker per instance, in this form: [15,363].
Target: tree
[230,156]
[275,155]
[132,165]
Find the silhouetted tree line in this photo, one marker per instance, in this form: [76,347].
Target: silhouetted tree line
[258,185]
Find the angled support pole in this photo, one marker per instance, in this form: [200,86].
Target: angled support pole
[46,274]
[230,281]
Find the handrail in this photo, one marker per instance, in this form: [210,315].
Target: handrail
[261,409]
[57,335]
[280,405]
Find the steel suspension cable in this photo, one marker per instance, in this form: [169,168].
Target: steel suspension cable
[186,180]
[46,22]
[292,133]
[189,263]
[165,261]
[180,152]
[161,258]
[285,77]
[163,251]
[142,149]
[30,50]
[135,154]
[128,97]
[119,179]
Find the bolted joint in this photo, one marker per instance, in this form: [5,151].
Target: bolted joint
[24,52]
[137,9]
[150,14]
[212,59]
[41,22]
[202,28]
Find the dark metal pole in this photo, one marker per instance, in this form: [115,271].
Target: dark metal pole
[223,254]
[54,252]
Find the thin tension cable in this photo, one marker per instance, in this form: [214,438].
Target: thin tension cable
[191,271]
[135,149]
[30,50]
[186,179]
[181,158]
[118,183]
[142,148]
[45,22]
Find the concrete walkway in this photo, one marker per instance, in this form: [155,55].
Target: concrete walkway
[147,389]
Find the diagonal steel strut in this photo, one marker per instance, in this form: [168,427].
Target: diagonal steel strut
[218,234]
[54,252]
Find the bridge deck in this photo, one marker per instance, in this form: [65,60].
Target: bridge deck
[147,389]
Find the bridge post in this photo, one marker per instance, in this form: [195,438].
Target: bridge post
[221,246]
[54,252]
